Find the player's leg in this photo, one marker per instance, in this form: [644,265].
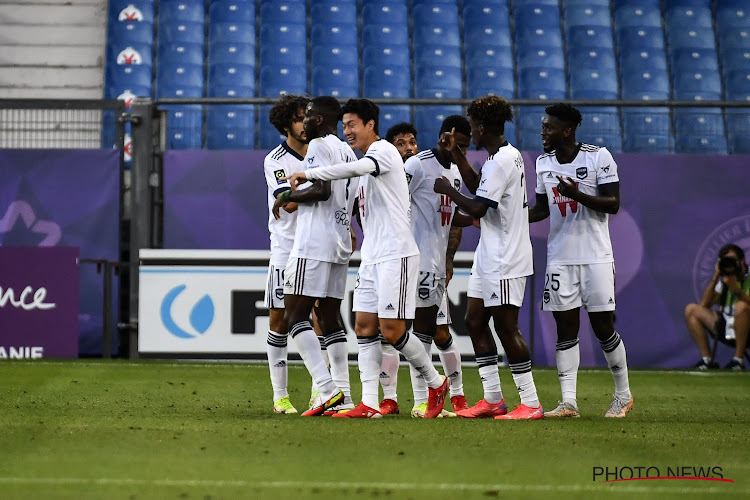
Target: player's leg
[318,328]
[389,377]
[276,341]
[450,356]
[424,329]
[700,321]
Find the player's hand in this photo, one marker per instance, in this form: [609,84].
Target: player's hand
[276,207]
[567,187]
[442,186]
[448,273]
[448,140]
[296,179]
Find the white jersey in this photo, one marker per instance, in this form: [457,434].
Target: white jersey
[431,212]
[504,249]
[323,231]
[282,161]
[577,234]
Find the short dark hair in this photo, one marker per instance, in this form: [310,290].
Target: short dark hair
[460,123]
[398,129]
[732,247]
[364,108]
[565,112]
[329,106]
[283,112]
[491,111]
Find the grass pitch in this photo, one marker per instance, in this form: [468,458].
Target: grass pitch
[134,430]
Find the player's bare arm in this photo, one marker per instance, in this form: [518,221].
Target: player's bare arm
[460,220]
[319,191]
[473,207]
[607,199]
[540,211]
[468,174]
[454,239]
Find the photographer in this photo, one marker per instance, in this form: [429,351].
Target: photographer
[730,289]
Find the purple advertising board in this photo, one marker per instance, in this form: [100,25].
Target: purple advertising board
[38,302]
[676,211]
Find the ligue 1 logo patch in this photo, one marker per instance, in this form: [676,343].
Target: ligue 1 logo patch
[279,174]
[582,172]
[408,177]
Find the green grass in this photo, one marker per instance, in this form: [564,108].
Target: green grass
[120,429]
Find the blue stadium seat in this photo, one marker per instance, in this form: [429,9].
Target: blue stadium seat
[481,81]
[734,59]
[230,138]
[489,32]
[636,16]
[601,58]
[698,85]
[511,134]
[233,80]
[646,3]
[438,82]
[631,38]
[130,32]
[286,79]
[700,131]
[232,11]
[538,57]
[544,37]
[668,4]
[613,142]
[523,3]
[686,37]
[444,55]
[128,75]
[694,59]
[185,32]
[130,11]
[282,34]
[385,13]
[396,55]
[734,38]
[334,55]
[386,81]
[333,12]
[598,3]
[184,126]
[180,11]
[590,36]
[646,121]
[231,32]
[283,12]
[283,55]
[132,53]
[541,83]
[536,16]
[180,53]
[428,119]
[339,34]
[738,131]
[127,94]
[382,34]
[599,126]
[648,143]
[268,136]
[435,14]
[340,81]
[488,3]
[231,53]
[587,15]
[678,18]
[184,139]
[391,115]
[179,74]
[588,83]
[529,126]
[644,59]
[178,91]
[651,84]
[443,34]
[482,14]
[738,85]
[226,116]
[715,144]
[493,56]
[736,17]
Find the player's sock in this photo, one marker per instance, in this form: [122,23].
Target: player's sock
[369,359]
[389,370]
[338,354]
[309,348]
[324,350]
[568,358]
[414,352]
[276,348]
[418,384]
[488,373]
[450,357]
[525,383]
[614,353]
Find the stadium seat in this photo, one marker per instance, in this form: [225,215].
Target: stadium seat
[231,53]
[590,36]
[382,34]
[385,12]
[283,55]
[734,38]
[226,116]
[134,53]
[647,130]
[268,136]
[181,11]
[598,3]
[738,131]
[180,53]
[435,14]
[694,59]
[633,38]
[484,14]
[391,115]
[481,81]
[539,57]
[340,81]
[698,84]
[644,59]
[734,59]
[444,55]
[185,32]
[497,57]
[396,55]
[229,32]
[613,142]
[588,83]
[646,3]
[669,4]
[230,138]
[492,33]
[333,12]
[488,3]
[130,11]
[701,144]
[184,126]
[282,34]
[680,18]
[651,84]
[541,83]
[184,139]
[529,127]
[232,11]
[123,33]
[601,127]
[648,143]
[521,3]
[601,58]
[438,82]
[128,75]
[178,91]
[587,15]
[179,74]
[697,38]
[439,34]
[545,37]
[511,134]
[386,81]
[282,80]
[733,17]
[339,34]
[283,12]
[334,56]
[237,78]
[536,16]
[700,131]
[636,16]
[738,85]
[428,119]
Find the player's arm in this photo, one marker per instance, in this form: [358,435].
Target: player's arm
[357,168]
[475,207]
[318,191]
[606,200]
[454,238]
[540,211]
[461,220]
[470,176]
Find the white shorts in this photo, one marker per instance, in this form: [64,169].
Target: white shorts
[444,312]
[496,291]
[388,288]
[314,278]
[430,289]
[274,298]
[569,286]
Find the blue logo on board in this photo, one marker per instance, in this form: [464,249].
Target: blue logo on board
[201,315]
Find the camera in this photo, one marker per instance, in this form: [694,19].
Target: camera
[729,266]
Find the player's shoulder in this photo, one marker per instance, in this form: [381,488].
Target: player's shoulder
[425,155]
[545,157]
[275,154]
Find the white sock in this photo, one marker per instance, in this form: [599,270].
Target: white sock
[414,352]
[324,349]
[276,349]
[450,357]
[525,383]
[418,384]
[309,348]
[389,371]
[568,358]
[490,377]
[369,359]
[338,354]
[614,353]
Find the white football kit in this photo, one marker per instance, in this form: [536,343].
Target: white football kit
[431,217]
[282,161]
[319,258]
[580,262]
[503,258]
[387,278]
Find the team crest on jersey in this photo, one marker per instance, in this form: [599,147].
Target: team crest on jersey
[279,294]
[457,184]
[546,297]
[279,174]
[424,293]
[582,172]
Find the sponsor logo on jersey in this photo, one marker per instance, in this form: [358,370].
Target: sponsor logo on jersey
[445,210]
[582,172]
[563,202]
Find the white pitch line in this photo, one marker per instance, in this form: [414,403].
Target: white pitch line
[728,488]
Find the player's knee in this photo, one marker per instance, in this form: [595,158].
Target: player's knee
[474,324]
[442,335]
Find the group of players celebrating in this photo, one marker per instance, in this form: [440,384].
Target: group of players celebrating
[411,208]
